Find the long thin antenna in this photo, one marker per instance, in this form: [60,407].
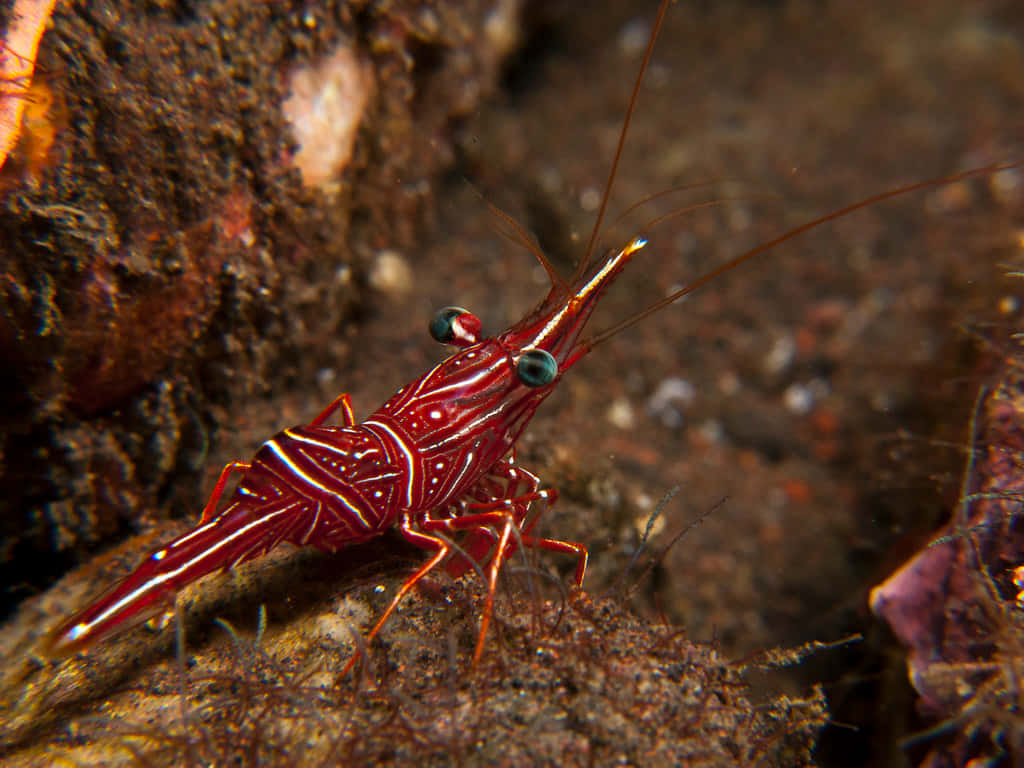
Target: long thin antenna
[581,268]
[735,262]
[517,233]
[657,196]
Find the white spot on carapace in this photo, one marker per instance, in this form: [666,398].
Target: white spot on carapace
[377,494]
[324,107]
[158,556]
[439,465]
[435,415]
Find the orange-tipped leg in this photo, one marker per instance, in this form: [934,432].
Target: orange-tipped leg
[482,524]
[566,548]
[342,402]
[420,540]
[218,489]
[502,552]
[492,585]
[479,546]
[512,521]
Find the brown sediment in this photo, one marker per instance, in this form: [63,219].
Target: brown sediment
[574,683]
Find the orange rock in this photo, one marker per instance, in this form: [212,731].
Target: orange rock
[17,63]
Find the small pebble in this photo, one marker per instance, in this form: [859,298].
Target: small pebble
[781,355]
[633,37]
[501,28]
[620,413]
[1007,186]
[799,399]
[641,522]
[391,273]
[590,199]
[672,393]
[729,384]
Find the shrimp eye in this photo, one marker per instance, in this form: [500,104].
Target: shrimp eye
[455,325]
[536,368]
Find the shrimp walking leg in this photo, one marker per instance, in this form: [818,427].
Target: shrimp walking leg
[218,489]
[343,403]
[408,531]
[510,516]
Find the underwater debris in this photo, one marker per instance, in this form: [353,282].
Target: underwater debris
[955,605]
[574,683]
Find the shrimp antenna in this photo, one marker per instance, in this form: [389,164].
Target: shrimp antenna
[743,257]
[581,268]
[509,228]
[656,196]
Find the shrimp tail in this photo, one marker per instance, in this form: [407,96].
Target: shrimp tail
[239,533]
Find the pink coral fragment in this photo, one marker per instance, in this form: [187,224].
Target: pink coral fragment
[324,107]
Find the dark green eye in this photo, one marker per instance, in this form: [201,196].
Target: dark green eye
[441,327]
[536,368]
[455,325]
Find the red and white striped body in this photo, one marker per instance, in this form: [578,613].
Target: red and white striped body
[431,454]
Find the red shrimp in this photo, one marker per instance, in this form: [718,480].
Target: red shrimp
[432,460]
[436,460]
